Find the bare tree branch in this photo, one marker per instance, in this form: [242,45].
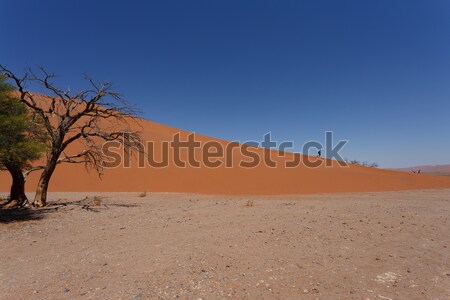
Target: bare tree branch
[90,116]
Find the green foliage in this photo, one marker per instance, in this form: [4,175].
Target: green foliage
[21,137]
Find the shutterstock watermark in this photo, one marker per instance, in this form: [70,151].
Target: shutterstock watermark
[200,153]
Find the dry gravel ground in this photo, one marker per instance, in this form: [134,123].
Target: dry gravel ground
[166,246]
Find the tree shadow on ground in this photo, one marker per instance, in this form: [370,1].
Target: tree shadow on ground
[12,215]
[91,204]
[94,204]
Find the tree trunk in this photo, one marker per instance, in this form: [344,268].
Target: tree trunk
[17,192]
[40,199]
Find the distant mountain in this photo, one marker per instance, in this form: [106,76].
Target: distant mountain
[444,169]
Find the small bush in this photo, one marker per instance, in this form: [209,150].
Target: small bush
[143,194]
[362,163]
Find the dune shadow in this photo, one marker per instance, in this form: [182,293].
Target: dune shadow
[22,214]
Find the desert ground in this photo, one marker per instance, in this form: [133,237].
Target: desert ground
[378,245]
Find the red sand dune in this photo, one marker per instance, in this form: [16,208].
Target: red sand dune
[236,180]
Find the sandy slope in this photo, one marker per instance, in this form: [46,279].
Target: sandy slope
[236,180]
[390,245]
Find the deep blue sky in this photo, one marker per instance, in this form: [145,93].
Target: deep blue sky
[375,72]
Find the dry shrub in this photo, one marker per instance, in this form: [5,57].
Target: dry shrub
[250,203]
[97,201]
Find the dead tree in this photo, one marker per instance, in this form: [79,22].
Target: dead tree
[89,117]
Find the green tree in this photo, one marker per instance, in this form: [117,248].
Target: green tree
[21,140]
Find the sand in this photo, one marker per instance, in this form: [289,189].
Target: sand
[260,180]
[388,245]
